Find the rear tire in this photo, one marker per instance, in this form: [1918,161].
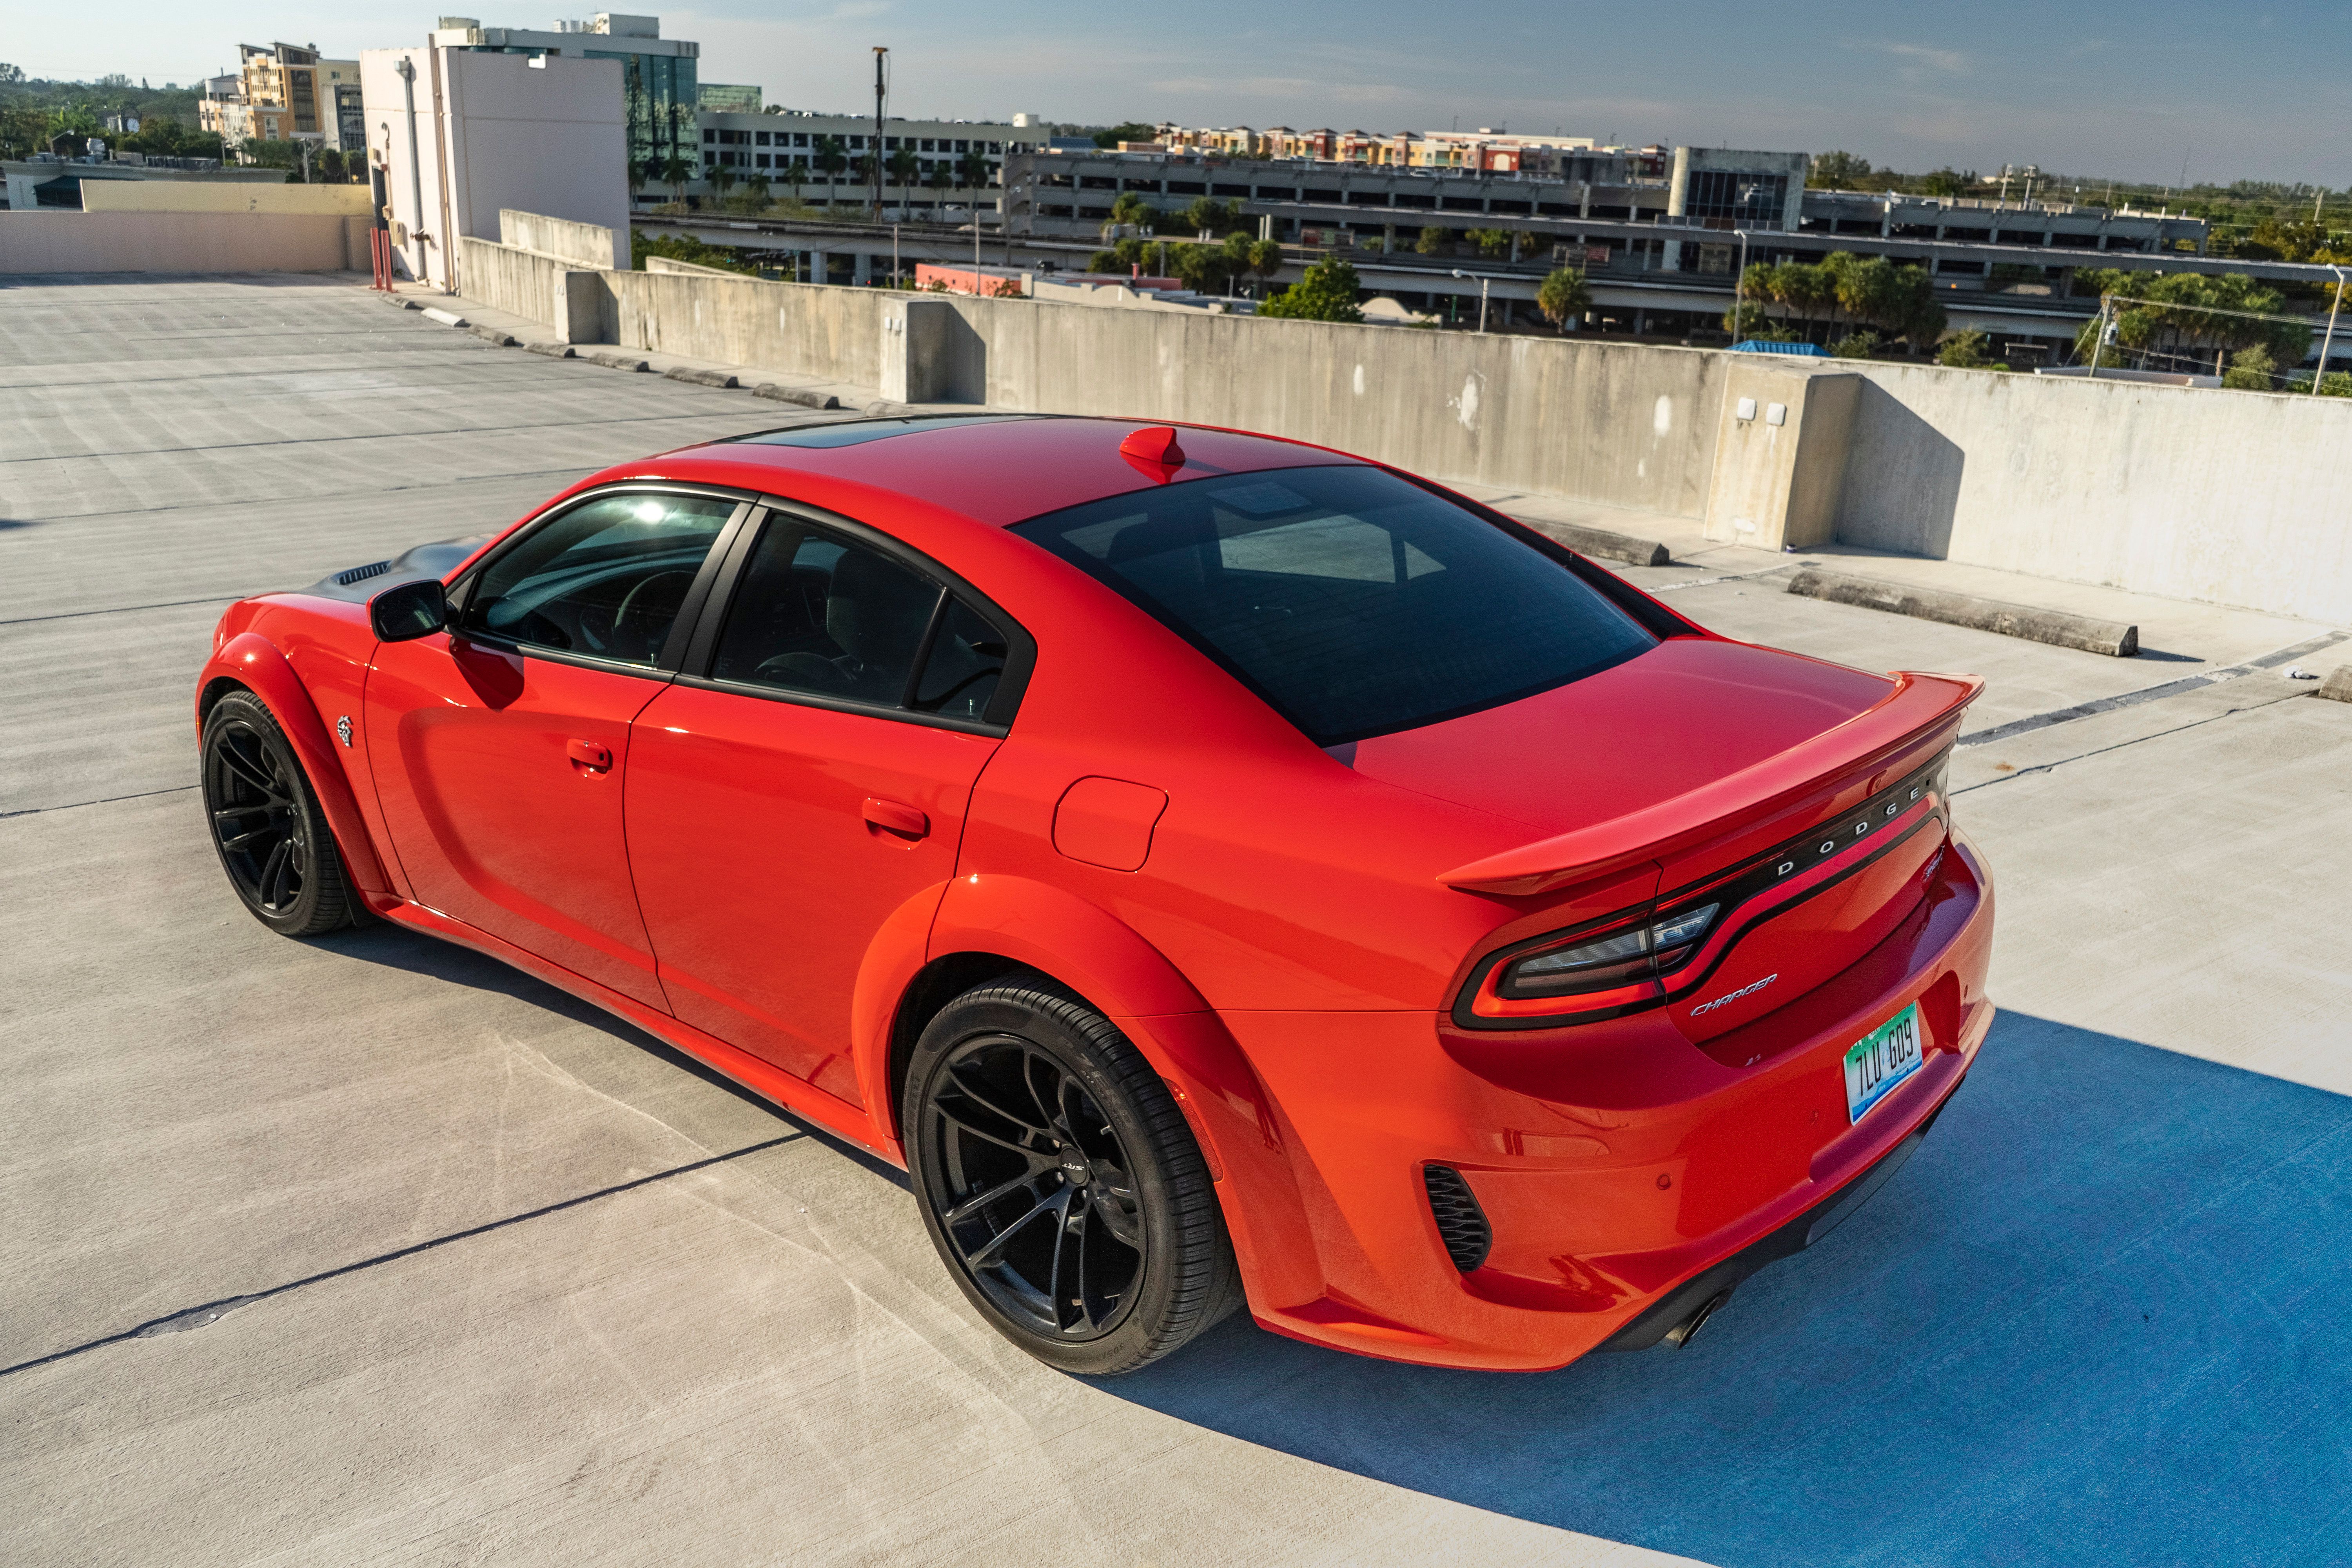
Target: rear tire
[1060,1182]
[267,825]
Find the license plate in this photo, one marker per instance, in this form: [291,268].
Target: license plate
[1879,1060]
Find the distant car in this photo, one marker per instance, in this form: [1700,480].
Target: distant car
[1216,868]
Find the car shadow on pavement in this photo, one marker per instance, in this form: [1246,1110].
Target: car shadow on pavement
[417,954]
[2101,1317]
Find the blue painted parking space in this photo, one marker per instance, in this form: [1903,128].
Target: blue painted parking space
[2100,1318]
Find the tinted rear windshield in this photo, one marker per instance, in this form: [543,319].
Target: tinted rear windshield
[1355,603]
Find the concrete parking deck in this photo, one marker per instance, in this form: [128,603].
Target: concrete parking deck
[369,1249]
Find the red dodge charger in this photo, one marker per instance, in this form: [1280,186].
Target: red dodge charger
[1219,869]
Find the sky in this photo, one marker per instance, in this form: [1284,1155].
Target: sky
[2097,89]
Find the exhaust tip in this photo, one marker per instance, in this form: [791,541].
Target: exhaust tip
[1682,1333]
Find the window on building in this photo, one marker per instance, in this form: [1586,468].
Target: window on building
[1734,198]
[763,160]
[759,138]
[800,139]
[710,136]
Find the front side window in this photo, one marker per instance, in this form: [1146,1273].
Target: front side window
[605,579]
[824,616]
[1353,602]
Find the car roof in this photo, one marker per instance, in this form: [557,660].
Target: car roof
[996,468]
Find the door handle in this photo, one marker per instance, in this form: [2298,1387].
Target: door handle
[904,821]
[592,755]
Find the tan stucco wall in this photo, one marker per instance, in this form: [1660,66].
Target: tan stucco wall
[32,242]
[220,196]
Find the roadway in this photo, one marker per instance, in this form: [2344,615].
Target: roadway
[436,1264]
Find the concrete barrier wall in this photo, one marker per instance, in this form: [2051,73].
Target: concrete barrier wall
[2236,498]
[38,241]
[582,243]
[221,196]
[1604,422]
[812,330]
[508,278]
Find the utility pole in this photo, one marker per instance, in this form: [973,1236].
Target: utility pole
[2099,339]
[880,53]
[1739,291]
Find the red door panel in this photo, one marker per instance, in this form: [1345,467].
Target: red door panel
[501,779]
[770,842]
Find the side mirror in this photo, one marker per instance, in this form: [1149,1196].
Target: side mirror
[409,611]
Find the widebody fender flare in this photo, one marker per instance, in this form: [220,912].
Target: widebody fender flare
[253,661]
[1110,964]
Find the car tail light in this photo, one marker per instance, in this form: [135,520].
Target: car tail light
[1586,963]
[1635,958]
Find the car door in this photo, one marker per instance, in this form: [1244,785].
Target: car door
[801,782]
[500,747]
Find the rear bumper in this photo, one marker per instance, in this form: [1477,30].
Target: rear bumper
[1628,1177]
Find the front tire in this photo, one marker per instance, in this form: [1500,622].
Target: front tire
[1060,1183]
[267,825]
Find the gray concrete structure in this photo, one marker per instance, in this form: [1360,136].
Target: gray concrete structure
[436,1264]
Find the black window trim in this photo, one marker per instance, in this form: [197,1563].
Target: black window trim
[701,648]
[665,665]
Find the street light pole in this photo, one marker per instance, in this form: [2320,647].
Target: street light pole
[1483,281]
[880,51]
[1740,290]
[2328,342]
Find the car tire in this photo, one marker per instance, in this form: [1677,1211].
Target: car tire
[267,826]
[1060,1182]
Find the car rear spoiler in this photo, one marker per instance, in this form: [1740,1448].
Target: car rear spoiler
[1912,711]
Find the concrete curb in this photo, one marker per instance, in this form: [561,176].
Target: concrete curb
[552,351]
[492,334]
[446,318]
[796,394]
[700,377]
[2055,627]
[1600,544]
[616,361]
[883,408]
[2338,688]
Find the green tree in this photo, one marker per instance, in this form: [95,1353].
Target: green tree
[903,165]
[1265,257]
[1131,209]
[938,180]
[686,248]
[1207,214]
[832,158]
[1564,297]
[1490,241]
[675,173]
[1838,172]
[1131,252]
[1105,262]
[972,172]
[1947,182]
[1328,293]
[2250,370]
[1966,351]
[1430,241]
[722,180]
[1857,345]
[2178,316]
[795,175]
[1130,130]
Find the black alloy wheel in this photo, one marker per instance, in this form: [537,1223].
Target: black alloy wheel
[1061,1184]
[267,825]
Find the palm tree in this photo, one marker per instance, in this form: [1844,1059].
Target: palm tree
[1564,297]
[722,180]
[795,172]
[971,172]
[937,180]
[675,173]
[832,158]
[1266,259]
[759,185]
[637,175]
[902,165]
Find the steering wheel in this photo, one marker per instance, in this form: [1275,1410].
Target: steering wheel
[647,609]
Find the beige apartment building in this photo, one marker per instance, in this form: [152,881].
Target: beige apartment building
[1484,150]
[286,92]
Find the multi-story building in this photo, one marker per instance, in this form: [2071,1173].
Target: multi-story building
[284,93]
[790,147]
[1482,151]
[1660,232]
[729,98]
[658,90]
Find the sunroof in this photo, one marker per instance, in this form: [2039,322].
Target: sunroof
[852,432]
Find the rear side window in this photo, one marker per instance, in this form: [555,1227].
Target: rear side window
[825,617]
[1353,602]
